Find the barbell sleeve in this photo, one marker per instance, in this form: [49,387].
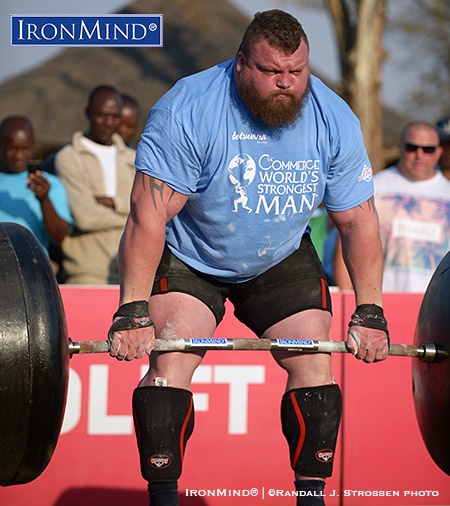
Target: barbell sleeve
[428,352]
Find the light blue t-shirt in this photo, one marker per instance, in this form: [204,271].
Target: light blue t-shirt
[18,204]
[252,189]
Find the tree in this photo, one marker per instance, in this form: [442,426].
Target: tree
[359,26]
[359,29]
[419,32]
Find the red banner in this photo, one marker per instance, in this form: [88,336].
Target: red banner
[237,454]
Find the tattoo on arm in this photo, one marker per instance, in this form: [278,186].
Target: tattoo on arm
[156,187]
[370,204]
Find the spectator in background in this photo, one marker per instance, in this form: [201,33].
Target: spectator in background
[97,169]
[129,121]
[32,198]
[127,129]
[443,127]
[413,202]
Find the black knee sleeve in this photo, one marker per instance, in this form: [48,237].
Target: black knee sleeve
[310,420]
[164,421]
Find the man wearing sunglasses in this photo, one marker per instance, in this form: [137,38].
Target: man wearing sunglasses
[413,201]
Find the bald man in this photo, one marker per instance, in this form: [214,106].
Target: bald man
[413,202]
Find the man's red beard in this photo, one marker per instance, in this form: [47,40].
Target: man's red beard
[270,110]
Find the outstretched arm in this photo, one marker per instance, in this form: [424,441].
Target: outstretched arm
[362,251]
[363,256]
[153,204]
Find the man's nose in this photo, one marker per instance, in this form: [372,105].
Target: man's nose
[284,81]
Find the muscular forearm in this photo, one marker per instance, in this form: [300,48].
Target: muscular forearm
[140,251]
[362,253]
[361,250]
[142,243]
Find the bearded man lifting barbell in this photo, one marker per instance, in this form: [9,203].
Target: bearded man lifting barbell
[260,127]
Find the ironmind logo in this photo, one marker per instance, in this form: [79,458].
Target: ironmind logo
[102,31]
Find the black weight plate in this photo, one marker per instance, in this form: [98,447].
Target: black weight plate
[431,381]
[34,359]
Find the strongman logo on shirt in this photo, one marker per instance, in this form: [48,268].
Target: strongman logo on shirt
[284,186]
[242,171]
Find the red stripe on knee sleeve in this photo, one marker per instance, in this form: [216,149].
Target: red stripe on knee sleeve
[183,428]
[302,430]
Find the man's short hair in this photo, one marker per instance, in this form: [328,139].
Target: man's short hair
[281,30]
[102,88]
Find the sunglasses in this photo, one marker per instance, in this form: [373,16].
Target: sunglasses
[412,148]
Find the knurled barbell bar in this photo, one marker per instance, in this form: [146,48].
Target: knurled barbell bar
[35,351]
[428,352]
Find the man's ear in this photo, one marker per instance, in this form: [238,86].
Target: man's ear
[240,61]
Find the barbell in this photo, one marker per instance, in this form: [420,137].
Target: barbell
[427,352]
[35,351]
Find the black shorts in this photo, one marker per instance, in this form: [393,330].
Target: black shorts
[295,284]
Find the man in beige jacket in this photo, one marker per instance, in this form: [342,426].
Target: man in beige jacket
[97,169]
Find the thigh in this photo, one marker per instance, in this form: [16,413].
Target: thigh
[303,369]
[178,315]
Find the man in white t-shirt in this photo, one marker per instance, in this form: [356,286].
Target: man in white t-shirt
[97,169]
[413,202]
